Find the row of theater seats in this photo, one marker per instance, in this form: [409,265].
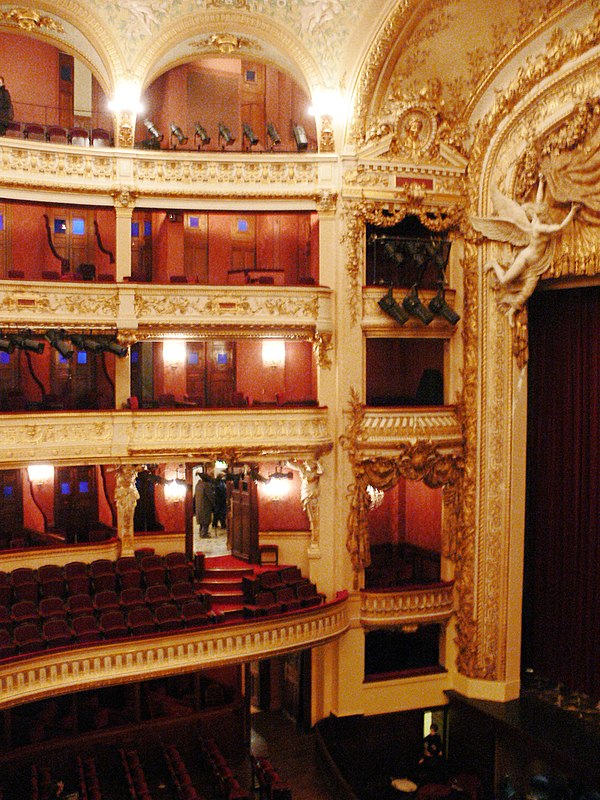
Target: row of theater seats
[179,777]
[88,783]
[135,776]
[77,577]
[83,137]
[277,591]
[267,781]
[226,784]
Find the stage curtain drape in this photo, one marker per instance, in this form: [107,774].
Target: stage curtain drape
[561,607]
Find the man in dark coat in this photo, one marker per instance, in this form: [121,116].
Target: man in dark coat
[6,107]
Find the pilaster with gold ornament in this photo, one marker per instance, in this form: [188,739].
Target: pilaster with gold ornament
[126,497]
[310,476]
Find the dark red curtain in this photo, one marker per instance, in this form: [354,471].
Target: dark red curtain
[561,608]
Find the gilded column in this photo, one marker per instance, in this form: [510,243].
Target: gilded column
[126,497]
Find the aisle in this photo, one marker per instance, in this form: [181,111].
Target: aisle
[292,753]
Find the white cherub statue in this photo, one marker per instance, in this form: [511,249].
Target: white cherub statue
[523,226]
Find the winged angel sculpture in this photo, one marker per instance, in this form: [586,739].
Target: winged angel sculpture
[524,226]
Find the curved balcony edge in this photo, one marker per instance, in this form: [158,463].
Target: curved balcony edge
[61,671]
[408,607]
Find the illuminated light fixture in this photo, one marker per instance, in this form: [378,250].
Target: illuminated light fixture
[177,133]
[438,305]
[174,491]
[174,352]
[155,137]
[25,342]
[201,136]
[273,135]
[279,474]
[126,98]
[414,306]
[58,340]
[40,473]
[300,137]
[225,136]
[375,496]
[249,135]
[273,353]
[6,346]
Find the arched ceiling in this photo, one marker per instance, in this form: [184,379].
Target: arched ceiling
[375,51]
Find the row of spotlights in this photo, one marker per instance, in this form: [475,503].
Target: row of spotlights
[61,341]
[226,138]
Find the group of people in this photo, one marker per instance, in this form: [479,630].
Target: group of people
[6,107]
[210,503]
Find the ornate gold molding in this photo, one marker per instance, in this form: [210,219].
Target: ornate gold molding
[408,608]
[126,497]
[326,137]
[225,43]
[310,476]
[321,346]
[30,20]
[417,458]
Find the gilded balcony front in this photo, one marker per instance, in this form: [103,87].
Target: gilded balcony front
[418,605]
[63,671]
[129,437]
[385,429]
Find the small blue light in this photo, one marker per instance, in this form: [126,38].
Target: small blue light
[194,222]
[84,487]
[82,357]
[1,222]
[193,358]
[242,226]
[7,491]
[250,75]
[65,488]
[135,229]
[78,226]
[147,227]
[135,356]
[4,358]
[60,226]
[221,358]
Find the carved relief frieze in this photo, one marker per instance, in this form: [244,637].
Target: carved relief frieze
[34,164]
[35,305]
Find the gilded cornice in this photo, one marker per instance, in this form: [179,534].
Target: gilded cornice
[61,672]
[65,437]
[409,608]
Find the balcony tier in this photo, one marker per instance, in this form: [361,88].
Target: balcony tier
[385,429]
[407,608]
[143,175]
[248,311]
[131,437]
[62,671]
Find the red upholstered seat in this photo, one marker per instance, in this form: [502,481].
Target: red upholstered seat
[7,646]
[28,638]
[140,621]
[52,581]
[168,617]
[158,595]
[79,605]
[77,577]
[24,611]
[24,584]
[86,629]
[52,607]
[57,632]
[113,625]
[132,598]
[107,600]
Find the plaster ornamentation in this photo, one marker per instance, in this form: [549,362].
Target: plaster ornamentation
[326,137]
[126,128]
[46,675]
[225,43]
[322,344]
[327,202]
[246,171]
[30,20]
[38,304]
[310,475]
[414,607]
[126,497]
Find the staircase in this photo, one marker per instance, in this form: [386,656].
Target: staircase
[224,586]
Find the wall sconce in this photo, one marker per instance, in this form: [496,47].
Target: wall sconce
[174,352]
[177,133]
[273,135]
[249,135]
[375,497]
[201,136]
[40,473]
[273,353]
[175,489]
[225,136]
[300,137]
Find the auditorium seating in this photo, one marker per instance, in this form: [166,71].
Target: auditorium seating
[94,602]
[225,783]
[267,781]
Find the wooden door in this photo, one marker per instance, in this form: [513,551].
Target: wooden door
[75,501]
[220,374]
[11,505]
[195,377]
[195,248]
[243,519]
[73,381]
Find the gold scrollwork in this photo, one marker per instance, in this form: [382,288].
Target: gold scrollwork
[321,347]
[30,20]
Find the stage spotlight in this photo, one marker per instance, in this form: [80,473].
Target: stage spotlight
[249,135]
[273,135]
[86,343]
[439,306]
[177,133]
[392,307]
[58,340]
[6,346]
[155,137]
[112,346]
[225,136]
[25,342]
[201,136]
[414,306]
[300,137]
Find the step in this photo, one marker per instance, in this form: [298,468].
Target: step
[211,584]
[226,598]
[227,572]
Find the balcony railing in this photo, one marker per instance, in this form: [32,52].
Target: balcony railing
[61,671]
[407,607]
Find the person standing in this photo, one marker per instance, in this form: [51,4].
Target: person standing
[6,107]
[204,503]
